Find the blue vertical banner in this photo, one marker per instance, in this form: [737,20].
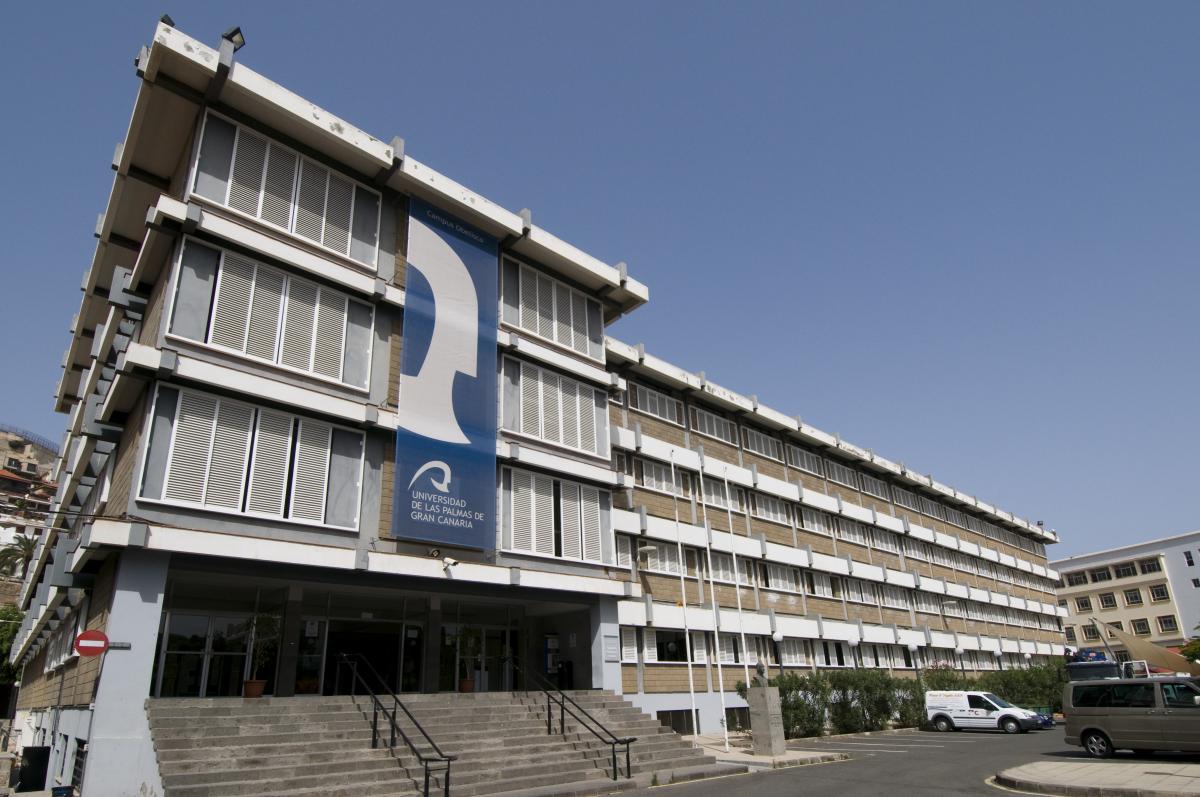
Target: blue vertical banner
[445,488]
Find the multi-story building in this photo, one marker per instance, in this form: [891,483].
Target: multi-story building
[25,453]
[448,468]
[1151,590]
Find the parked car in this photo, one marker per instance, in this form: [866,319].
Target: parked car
[1139,714]
[954,710]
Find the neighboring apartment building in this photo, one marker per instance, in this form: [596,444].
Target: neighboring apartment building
[448,468]
[1151,589]
[25,453]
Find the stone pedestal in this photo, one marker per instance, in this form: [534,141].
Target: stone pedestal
[766,720]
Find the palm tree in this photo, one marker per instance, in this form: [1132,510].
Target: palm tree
[17,555]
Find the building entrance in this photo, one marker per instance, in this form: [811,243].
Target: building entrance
[477,658]
[394,650]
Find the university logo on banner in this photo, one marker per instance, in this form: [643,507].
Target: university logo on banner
[445,488]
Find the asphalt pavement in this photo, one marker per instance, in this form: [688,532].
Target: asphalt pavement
[894,765]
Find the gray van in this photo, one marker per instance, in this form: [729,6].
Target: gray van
[1139,714]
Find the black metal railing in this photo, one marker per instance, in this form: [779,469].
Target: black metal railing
[379,707]
[567,705]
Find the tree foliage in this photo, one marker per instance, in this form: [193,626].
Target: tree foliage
[10,621]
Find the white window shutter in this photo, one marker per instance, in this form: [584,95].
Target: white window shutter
[570,411]
[652,556]
[725,641]
[268,473]
[699,648]
[311,471]
[278,187]
[751,652]
[551,416]
[338,207]
[649,645]
[227,465]
[579,332]
[587,420]
[628,644]
[543,515]
[522,510]
[245,183]
[262,337]
[545,313]
[299,324]
[562,314]
[528,301]
[231,310]
[531,410]
[623,553]
[593,550]
[310,201]
[571,527]
[191,447]
[330,334]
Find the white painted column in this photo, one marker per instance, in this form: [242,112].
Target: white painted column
[121,760]
[605,674]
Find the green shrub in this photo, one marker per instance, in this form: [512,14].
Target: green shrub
[910,702]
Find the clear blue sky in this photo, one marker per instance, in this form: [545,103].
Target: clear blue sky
[962,234]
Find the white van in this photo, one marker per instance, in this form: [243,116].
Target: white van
[949,711]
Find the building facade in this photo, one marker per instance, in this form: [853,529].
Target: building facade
[26,453]
[1151,589]
[285,401]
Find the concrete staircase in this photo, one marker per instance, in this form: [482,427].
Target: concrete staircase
[308,746]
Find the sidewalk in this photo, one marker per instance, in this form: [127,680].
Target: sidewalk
[1138,778]
[714,745]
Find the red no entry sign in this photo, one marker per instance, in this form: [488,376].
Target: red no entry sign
[91,643]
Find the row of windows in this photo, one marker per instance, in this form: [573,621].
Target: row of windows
[544,404]
[665,645]
[1167,624]
[705,422]
[1132,597]
[237,304]
[654,475]
[251,174]
[551,309]
[664,557]
[554,517]
[1096,575]
[215,453]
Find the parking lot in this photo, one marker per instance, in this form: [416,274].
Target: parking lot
[899,763]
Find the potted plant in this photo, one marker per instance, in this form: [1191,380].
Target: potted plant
[266,637]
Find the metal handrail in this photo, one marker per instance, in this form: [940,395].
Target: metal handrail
[352,660]
[578,712]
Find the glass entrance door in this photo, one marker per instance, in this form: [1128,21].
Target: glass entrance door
[204,656]
[479,658]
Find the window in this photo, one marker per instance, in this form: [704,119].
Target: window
[1179,695]
[859,591]
[625,547]
[873,486]
[13,462]
[806,461]
[729,648]
[885,540]
[225,455]
[1076,579]
[722,567]
[657,476]
[1125,570]
[660,405]
[1141,627]
[1196,583]
[1083,604]
[1062,602]
[914,549]
[1133,597]
[1158,592]
[1069,631]
[1167,623]
[893,597]
[791,653]
[1149,566]
[629,645]
[821,585]
[551,407]
[768,507]
[662,557]
[780,577]
[554,517]
[715,495]
[906,499]
[1091,633]
[247,172]
[1113,696]
[551,310]
[851,531]
[1100,574]
[31,467]
[667,645]
[832,654]
[1187,557]
[1115,625]
[841,474]
[225,300]
[812,520]
[713,425]
[762,444]
[1108,600]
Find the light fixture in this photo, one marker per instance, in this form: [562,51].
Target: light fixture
[958,651]
[235,37]
[777,636]
[856,642]
[997,653]
[1028,656]
[912,647]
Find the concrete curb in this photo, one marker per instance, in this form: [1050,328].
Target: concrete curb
[1060,790]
